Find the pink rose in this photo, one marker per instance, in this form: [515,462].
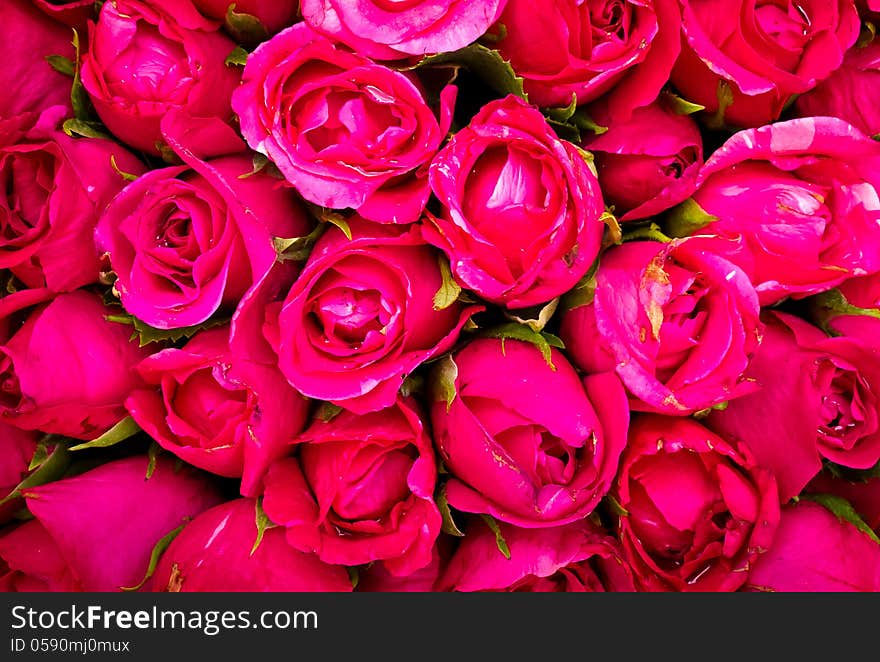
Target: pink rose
[863,292]
[216,411]
[816,551]
[68,369]
[391,30]
[375,578]
[677,322]
[801,197]
[573,559]
[360,490]
[56,187]
[346,132]
[648,163]
[218,551]
[521,208]
[697,511]
[527,442]
[16,450]
[96,531]
[275,15]
[756,55]
[357,320]
[621,51]
[146,58]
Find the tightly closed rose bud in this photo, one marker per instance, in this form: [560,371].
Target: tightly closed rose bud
[221,550]
[96,531]
[697,511]
[648,163]
[68,369]
[521,208]
[621,51]
[274,15]
[750,58]
[216,411]
[526,442]
[802,196]
[576,558]
[55,189]
[346,132]
[360,490]
[677,322]
[391,30]
[146,58]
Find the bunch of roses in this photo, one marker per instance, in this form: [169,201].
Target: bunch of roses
[474,295]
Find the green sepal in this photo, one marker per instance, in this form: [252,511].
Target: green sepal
[499,538]
[61,64]
[687,218]
[50,469]
[449,290]
[485,63]
[124,429]
[262,522]
[443,380]
[449,526]
[155,555]
[517,331]
[245,28]
[238,57]
[844,511]
[147,334]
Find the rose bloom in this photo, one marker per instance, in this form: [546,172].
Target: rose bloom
[360,490]
[215,411]
[146,58]
[621,51]
[758,54]
[275,15]
[346,132]
[801,197]
[679,323]
[218,551]
[391,30]
[697,511]
[521,208]
[529,443]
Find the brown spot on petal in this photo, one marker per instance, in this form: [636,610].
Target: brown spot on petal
[175,581]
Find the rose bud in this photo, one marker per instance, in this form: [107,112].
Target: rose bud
[274,15]
[526,441]
[16,451]
[678,323]
[147,58]
[358,319]
[801,195]
[816,551]
[521,219]
[217,411]
[222,550]
[361,490]
[744,61]
[819,398]
[696,511]
[68,369]
[188,241]
[621,51]
[388,31]
[576,558]
[96,531]
[862,493]
[52,202]
[347,133]
[649,163]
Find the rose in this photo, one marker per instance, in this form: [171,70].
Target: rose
[803,197]
[358,319]
[96,531]
[526,441]
[274,15]
[16,450]
[361,490]
[648,163]
[863,292]
[744,60]
[54,189]
[521,219]
[344,131]
[621,51]
[187,241]
[391,30]
[677,322]
[575,558]
[819,398]
[222,550]
[696,511]
[376,578]
[816,551]
[68,369]
[216,411]
[147,58]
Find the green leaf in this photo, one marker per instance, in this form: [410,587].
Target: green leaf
[61,64]
[124,429]
[725,100]
[584,292]
[52,468]
[245,28]
[127,176]
[825,307]
[552,340]
[328,411]
[680,106]
[155,555]
[586,123]
[75,127]
[485,63]
[686,219]
[565,131]
[536,318]
[615,507]
[844,511]
[499,539]
[449,289]
[238,57]
[152,457]
[260,162]
[79,98]
[412,385]
[853,475]
[444,376]
[148,334]
[263,524]
[449,526]
[516,331]
[298,249]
